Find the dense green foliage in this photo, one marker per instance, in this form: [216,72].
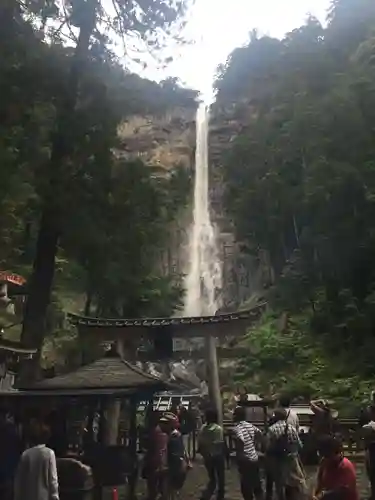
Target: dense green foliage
[68,199]
[298,363]
[301,184]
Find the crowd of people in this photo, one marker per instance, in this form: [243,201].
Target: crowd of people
[268,461]
[274,454]
[277,452]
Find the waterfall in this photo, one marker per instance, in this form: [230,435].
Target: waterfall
[203,281]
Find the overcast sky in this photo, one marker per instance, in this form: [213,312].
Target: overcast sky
[218,26]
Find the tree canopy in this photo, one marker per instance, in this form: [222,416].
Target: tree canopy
[300,174]
[69,201]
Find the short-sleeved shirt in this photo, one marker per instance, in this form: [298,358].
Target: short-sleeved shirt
[277,430]
[292,418]
[247,432]
[211,440]
[332,476]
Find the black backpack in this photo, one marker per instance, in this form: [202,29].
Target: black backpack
[281,446]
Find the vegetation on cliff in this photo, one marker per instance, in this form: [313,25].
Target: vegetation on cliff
[300,188]
[70,202]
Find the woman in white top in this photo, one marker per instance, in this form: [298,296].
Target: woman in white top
[36,476]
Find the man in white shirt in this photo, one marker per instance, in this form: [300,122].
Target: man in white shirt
[292,417]
[36,476]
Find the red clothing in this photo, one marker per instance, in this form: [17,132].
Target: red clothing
[334,475]
[157,448]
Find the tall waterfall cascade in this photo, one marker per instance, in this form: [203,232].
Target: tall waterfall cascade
[203,280]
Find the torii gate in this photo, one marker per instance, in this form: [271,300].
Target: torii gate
[130,334]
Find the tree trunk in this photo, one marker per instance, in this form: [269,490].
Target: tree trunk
[213,376]
[88,302]
[34,324]
[41,282]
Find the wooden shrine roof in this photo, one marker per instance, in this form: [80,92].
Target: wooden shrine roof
[16,347]
[104,373]
[185,326]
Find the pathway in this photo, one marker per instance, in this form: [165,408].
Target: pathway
[197,478]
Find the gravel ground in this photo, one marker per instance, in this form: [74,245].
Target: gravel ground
[197,479]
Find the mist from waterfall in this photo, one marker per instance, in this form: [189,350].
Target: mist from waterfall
[203,281]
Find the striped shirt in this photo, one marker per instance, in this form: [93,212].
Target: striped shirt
[276,431]
[246,433]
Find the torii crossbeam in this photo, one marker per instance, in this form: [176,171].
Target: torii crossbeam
[221,325]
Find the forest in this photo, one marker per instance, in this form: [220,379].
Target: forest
[300,189]
[83,222]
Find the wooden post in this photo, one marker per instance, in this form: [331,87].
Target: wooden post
[133,441]
[213,376]
[113,411]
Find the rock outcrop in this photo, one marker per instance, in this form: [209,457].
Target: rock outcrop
[161,141]
[241,276]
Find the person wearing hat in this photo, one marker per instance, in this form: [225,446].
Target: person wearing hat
[155,458]
[177,460]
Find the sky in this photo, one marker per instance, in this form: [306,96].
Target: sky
[219,26]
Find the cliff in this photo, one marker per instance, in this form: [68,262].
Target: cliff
[162,141]
[242,278]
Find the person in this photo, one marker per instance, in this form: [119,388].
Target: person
[176,408]
[195,415]
[282,452]
[292,417]
[10,452]
[155,461]
[336,475]
[177,460]
[364,416]
[323,421]
[369,438]
[185,425]
[212,448]
[246,436]
[36,475]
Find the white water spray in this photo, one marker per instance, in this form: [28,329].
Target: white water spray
[204,278]
[203,281]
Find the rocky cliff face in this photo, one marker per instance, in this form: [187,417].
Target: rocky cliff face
[162,141]
[242,279]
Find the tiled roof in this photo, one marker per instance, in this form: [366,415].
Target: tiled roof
[108,372]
